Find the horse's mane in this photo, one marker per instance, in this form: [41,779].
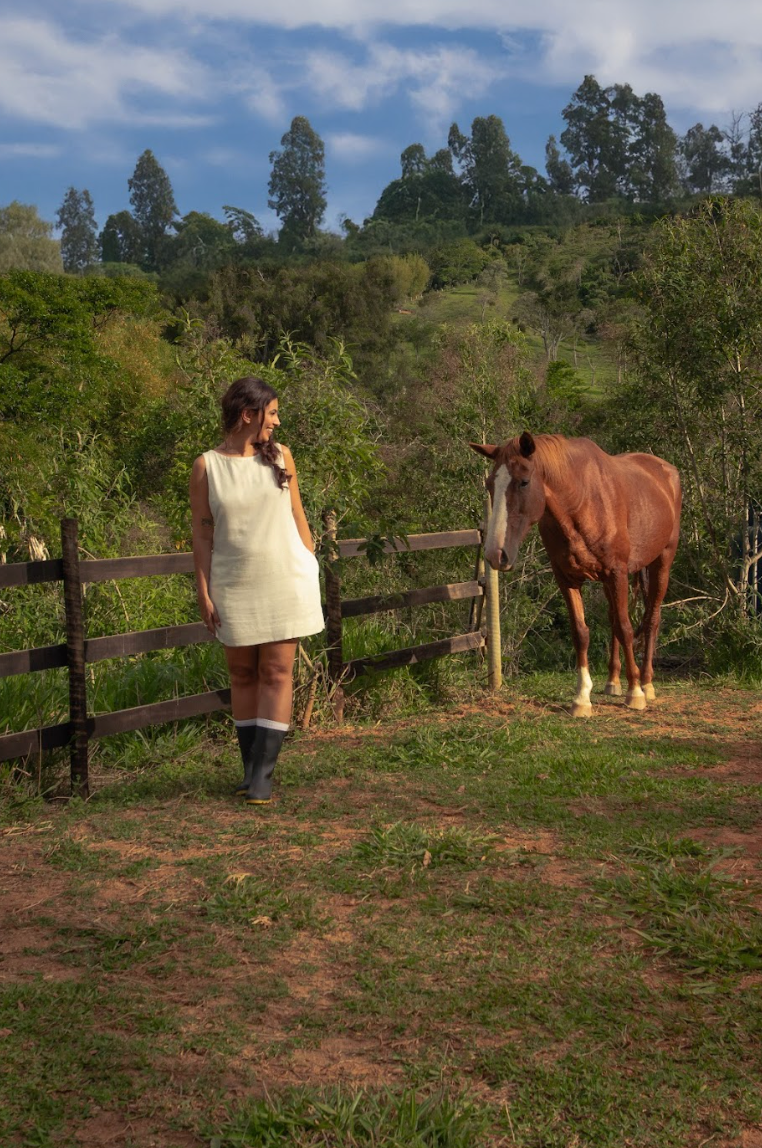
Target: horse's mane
[552,455]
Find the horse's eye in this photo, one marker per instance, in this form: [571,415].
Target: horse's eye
[524,482]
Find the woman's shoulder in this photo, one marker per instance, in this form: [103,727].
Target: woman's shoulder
[285,451]
[198,470]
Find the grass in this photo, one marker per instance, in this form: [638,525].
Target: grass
[482,925]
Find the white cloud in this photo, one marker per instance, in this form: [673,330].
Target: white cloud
[51,79]
[437,79]
[264,96]
[651,44]
[29,151]
[353,148]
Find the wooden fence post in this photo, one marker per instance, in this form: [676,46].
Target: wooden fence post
[491,593]
[333,613]
[75,657]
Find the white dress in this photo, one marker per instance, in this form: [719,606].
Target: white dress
[264,581]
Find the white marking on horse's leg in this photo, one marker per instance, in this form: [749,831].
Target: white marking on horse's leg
[581,706]
[613,689]
[498,520]
[636,699]
[649,691]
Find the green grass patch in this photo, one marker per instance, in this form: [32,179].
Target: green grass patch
[311,1119]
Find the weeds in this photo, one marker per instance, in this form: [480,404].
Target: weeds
[310,1119]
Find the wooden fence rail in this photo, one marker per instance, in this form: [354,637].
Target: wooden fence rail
[79,651]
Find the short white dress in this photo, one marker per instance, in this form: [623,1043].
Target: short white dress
[264,581]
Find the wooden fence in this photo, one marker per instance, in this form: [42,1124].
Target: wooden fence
[79,651]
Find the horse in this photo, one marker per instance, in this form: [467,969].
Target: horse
[601,518]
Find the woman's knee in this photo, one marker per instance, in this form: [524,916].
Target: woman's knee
[274,674]
[243,675]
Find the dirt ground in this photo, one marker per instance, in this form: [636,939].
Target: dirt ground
[312,970]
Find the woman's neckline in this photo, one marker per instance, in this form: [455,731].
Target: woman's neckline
[224,454]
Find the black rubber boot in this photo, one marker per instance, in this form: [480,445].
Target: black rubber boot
[246,736]
[267,745]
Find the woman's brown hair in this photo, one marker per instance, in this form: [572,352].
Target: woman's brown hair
[251,393]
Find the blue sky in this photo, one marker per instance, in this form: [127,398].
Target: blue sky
[87,85]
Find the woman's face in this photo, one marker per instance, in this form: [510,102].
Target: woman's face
[270,421]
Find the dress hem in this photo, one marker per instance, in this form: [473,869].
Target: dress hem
[266,641]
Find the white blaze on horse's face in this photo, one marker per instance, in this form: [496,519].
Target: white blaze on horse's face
[518,500]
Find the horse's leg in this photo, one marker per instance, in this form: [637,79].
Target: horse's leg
[619,589]
[613,688]
[581,706]
[658,580]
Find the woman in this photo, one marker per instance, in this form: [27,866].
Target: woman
[256,572]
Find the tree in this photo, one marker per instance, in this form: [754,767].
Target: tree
[560,174]
[297,182]
[153,204]
[26,240]
[413,161]
[706,164]
[699,399]
[652,154]
[79,238]
[244,227]
[591,140]
[122,239]
[490,168]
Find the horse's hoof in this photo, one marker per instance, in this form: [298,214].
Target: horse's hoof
[582,709]
[649,691]
[613,689]
[636,701]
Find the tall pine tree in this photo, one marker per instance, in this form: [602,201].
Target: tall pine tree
[79,236]
[153,205]
[297,183]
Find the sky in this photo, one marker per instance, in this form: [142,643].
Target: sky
[87,85]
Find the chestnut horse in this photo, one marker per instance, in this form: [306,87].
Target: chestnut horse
[601,518]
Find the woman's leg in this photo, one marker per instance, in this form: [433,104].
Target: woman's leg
[243,667]
[274,700]
[275,681]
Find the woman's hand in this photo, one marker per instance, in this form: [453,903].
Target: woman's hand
[209,614]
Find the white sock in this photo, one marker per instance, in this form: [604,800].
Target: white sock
[267,723]
[247,721]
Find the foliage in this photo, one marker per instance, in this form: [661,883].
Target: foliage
[26,241]
[618,143]
[491,170]
[122,240]
[79,239]
[457,262]
[200,245]
[297,182]
[698,395]
[153,205]
[62,366]
[705,164]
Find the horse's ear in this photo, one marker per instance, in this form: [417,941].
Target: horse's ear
[526,444]
[486,449]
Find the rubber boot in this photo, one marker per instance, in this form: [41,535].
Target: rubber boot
[246,735]
[267,745]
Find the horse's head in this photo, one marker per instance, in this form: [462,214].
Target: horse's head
[518,498]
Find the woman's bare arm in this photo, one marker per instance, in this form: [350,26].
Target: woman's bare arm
[203,541]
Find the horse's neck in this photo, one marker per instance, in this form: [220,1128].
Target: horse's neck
[564,504]
[563,501]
